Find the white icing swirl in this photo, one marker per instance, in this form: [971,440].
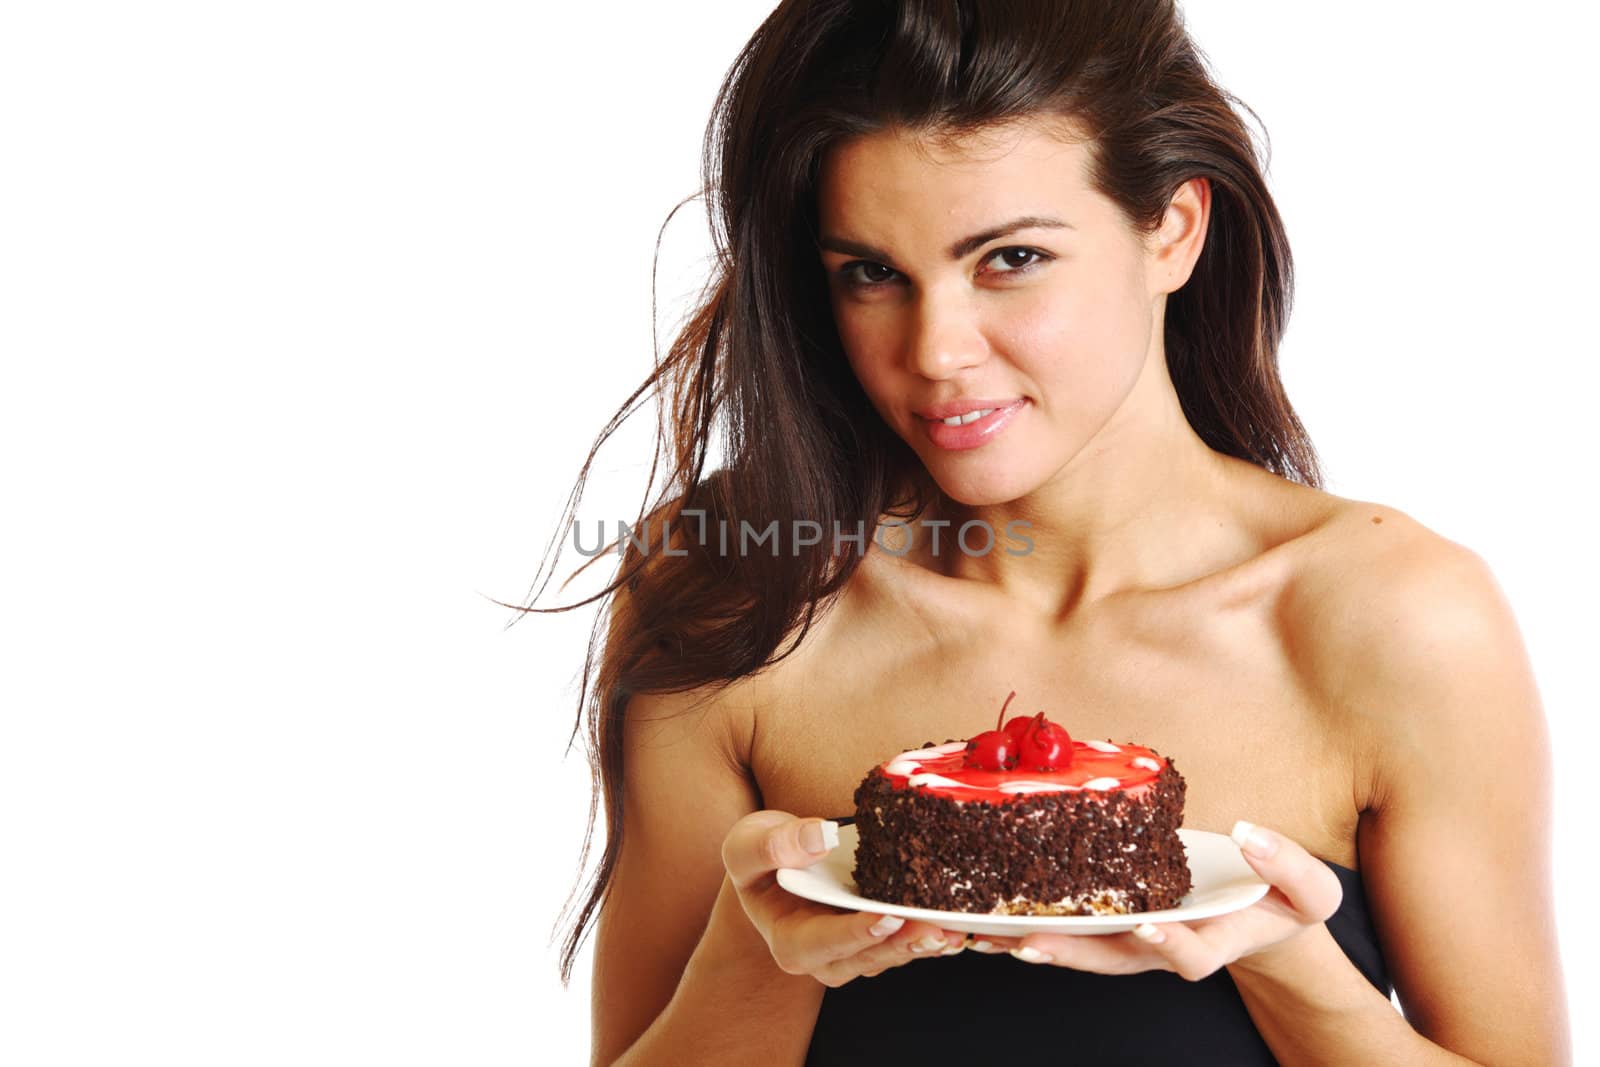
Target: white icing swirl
[1025,786]
[917,755]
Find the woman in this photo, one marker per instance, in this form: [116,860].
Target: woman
[1046,213]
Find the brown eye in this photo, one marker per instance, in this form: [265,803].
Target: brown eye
[1029,259]
[867,278]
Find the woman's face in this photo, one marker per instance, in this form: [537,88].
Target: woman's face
[987,276]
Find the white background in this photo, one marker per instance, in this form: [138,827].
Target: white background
[310,312]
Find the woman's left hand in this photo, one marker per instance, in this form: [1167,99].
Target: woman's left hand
[1304,893]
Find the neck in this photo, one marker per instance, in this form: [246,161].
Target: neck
[1145,504]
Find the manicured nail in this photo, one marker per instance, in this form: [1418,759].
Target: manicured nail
[1031,954]
[960,947]
[820,837]
[1253,839]
[1146,932]
[984,946]
[928,944]
[887,925]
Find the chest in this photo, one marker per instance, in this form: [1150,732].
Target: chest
[1213,688]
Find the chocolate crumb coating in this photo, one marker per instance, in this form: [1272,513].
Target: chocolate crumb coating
[1079,852]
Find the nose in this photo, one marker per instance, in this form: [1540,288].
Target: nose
[944,337]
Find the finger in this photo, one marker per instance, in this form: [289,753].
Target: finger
[763,841]
[1100,953]
[992,944]
[844,946]
[1309,888]
[947,943]
[1182,950]
[920,941]
[912,941]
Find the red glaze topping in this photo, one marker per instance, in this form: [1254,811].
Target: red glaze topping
[1027,756]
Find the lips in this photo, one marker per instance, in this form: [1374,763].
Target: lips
[964,406]
[977,432]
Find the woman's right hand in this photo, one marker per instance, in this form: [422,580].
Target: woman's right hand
[832,946]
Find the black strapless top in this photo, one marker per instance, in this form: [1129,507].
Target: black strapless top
[975,1008]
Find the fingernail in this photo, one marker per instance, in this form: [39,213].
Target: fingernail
[1253,839]
[820,837]
[984,946]
[887,925]
[960,947]
[928,944]
[1146,932]
[1030,954]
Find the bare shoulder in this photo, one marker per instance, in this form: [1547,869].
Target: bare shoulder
[1362,550]
[712,719]
[1393,625]
[812,649]
[1377,584]
[884,612]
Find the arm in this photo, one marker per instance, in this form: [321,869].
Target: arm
[1422,653]
[680,974]
[733,1004]
[1312,1006]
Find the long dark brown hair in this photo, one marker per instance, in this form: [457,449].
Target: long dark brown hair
[760,364]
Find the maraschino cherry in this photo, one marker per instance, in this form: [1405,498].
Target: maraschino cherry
[1045,746]
[1018,726]
[1036,743]
[997,749]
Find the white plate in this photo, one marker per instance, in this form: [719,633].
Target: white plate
[1223,882]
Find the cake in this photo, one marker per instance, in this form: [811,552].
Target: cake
[1023,820]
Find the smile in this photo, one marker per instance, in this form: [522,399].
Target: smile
[958,433]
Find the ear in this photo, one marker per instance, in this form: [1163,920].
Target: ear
[1176,244]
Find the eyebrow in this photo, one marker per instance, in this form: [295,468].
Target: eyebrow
[960,250]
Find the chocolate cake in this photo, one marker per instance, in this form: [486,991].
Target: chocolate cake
[1023,821]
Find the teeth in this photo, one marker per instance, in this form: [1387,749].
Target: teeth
[971,416]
